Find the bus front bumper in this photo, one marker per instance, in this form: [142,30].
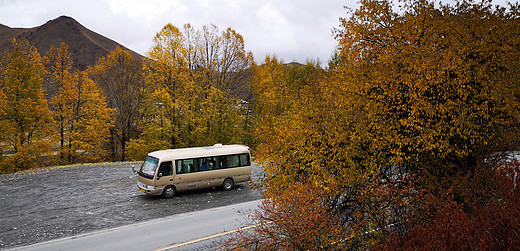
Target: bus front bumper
[147,189]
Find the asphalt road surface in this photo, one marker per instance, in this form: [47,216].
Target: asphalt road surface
[56,203]
[193,231]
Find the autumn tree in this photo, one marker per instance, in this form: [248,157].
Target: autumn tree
[225,64]
[417,97]
[296,219]
[84,119]
[27,119]
[58,63]
[4,124]
[436,88]
[171,92]
[301,134]
[432,93]
[121,80]
[223,58]
[185,105]
[80,110]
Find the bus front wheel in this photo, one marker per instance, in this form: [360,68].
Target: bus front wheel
[227,184]
[169,192]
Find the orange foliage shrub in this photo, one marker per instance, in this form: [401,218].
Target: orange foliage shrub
[489,223]
[297,219]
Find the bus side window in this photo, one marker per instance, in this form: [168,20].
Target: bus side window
[212,164]
[208,163]
[222,160]
[179,166]
[233,161]
[195,167]
[185,166]
[244,159]
[166,169]
[203,165]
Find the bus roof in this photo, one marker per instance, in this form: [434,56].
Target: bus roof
[194,152]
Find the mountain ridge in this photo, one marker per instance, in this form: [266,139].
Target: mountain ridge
[85,45]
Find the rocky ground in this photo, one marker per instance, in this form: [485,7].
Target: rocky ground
[55,203]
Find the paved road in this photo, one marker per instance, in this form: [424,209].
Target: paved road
[183,231]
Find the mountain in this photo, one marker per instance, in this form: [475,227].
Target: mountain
[85,46]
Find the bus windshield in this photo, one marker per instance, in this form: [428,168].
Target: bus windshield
[149,166]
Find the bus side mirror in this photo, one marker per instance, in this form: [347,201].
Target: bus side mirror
[133,168]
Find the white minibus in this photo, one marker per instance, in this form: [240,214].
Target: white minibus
[167,172]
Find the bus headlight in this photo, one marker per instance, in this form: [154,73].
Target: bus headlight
[145,186]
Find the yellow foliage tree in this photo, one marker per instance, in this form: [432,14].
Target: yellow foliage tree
[27,118]
[58,64]
[4,124]
[121,79]
[436,88]
[186,101]
[92,120]
[85,119]
[416,98]
[172,93]
[80,110]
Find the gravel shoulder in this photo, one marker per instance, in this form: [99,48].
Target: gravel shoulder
[66,201]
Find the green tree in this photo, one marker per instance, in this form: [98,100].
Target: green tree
[27,117]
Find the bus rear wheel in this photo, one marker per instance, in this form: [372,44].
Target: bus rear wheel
[227,184]
[169,192]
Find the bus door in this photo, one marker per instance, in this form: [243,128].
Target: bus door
[165,174]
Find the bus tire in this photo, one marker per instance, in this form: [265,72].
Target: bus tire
[228,184]
[169,192]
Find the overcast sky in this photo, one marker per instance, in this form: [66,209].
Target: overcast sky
[294,30]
